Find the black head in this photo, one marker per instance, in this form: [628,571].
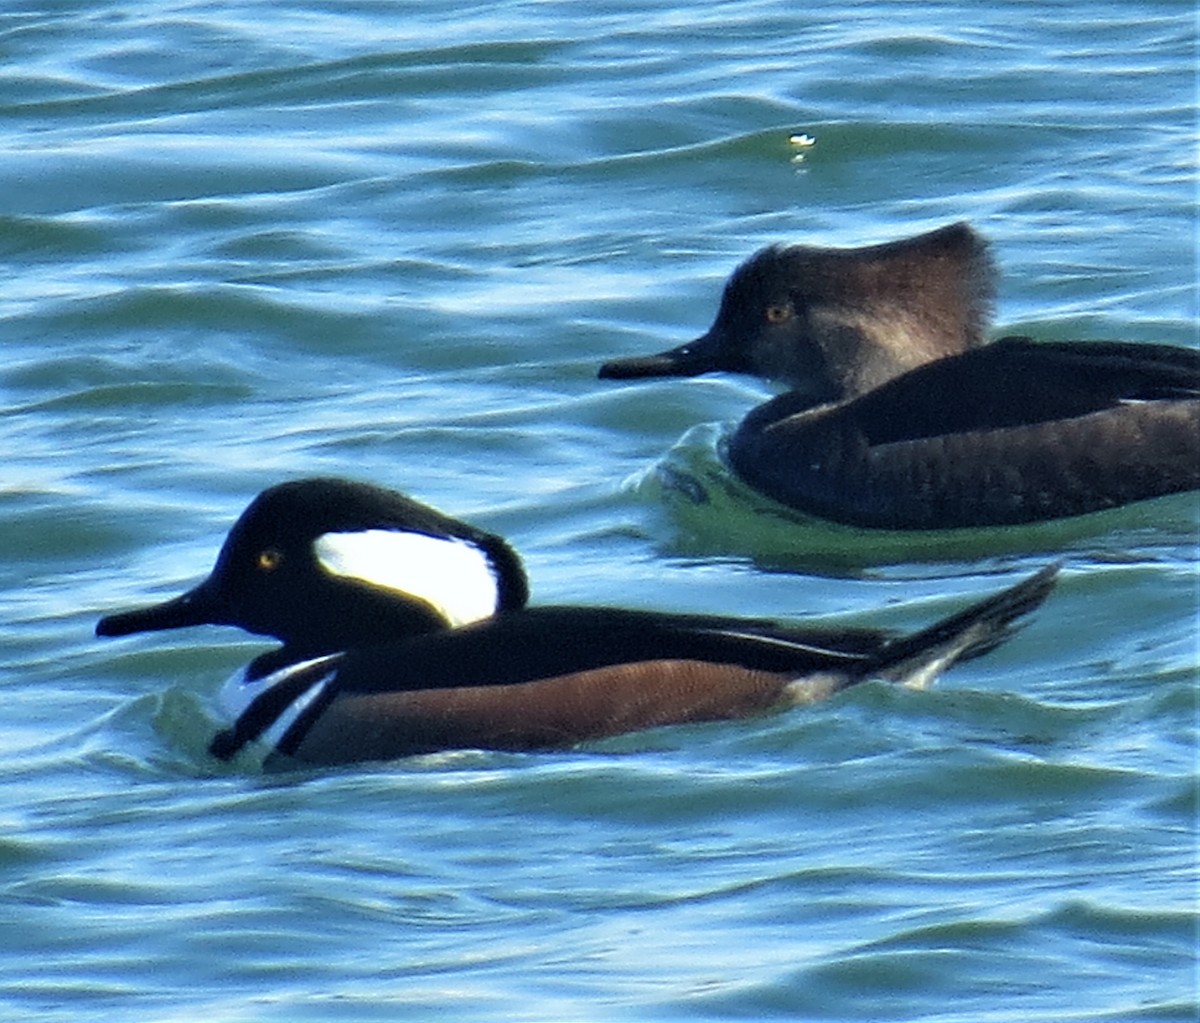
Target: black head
[325,564]
[832,323]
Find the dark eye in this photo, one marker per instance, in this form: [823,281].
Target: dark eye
[779,313]
[269,559]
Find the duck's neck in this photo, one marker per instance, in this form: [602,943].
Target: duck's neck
[864,350]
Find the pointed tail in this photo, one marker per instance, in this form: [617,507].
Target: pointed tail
[916,660]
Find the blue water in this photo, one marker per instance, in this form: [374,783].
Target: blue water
[244,242]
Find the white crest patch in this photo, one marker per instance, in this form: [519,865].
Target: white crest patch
[452,575]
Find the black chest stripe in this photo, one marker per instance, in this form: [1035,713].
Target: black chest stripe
[264,710]
[298,729]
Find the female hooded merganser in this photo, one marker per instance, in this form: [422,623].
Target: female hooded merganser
[900,417]
[405,631]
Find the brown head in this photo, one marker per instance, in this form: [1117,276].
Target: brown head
[834,323]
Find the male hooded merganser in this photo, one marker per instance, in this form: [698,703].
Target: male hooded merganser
[900,417]
[405,631]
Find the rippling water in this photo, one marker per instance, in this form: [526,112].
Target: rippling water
[250,241]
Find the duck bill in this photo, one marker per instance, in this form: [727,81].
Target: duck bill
[692,359]
[196,607]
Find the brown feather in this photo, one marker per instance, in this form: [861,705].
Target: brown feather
[545,714]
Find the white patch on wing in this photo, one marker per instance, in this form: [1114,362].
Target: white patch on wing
[454,576]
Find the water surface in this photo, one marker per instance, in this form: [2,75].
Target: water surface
[245,242]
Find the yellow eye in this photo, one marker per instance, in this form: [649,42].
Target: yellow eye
[269,559]
[779,313]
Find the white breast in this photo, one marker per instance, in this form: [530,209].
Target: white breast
[237,694]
